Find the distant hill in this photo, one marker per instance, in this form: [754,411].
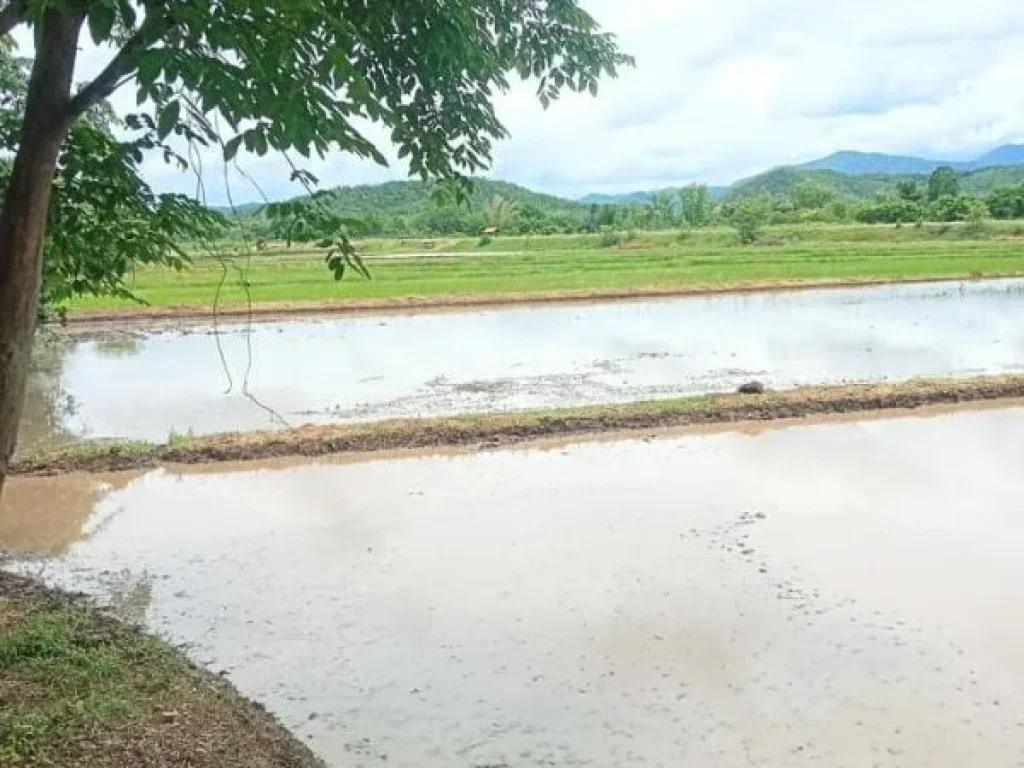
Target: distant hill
[781,180]
[406,197]
[985,180]
[641,198]
[242,209]
[1008,154]
[625,198]
[412,197]
[849,174]
[873,163]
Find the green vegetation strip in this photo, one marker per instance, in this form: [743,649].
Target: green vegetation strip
[574,266]
[79,688]
[495,430]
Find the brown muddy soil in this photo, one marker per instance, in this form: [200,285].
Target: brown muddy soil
[80,688]
[141,313]
[491,431]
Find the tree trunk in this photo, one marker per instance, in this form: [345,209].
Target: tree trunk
[25,208]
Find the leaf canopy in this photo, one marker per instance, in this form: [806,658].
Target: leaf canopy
[304,75]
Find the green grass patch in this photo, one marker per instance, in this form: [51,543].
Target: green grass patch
[72,678]
[78,688]
[575,264]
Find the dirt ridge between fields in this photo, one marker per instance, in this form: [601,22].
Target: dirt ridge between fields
[500,430]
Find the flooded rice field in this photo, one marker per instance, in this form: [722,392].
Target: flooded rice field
[152,384]
[845,594]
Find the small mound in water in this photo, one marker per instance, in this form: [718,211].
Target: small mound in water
[752,388]
[78,688]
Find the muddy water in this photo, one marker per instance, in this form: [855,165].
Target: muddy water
[155,383]
[842,594]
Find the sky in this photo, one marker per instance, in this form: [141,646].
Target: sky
[723,89]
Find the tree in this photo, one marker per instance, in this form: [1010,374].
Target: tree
[695,202]
[103,217]
[809,195]
[943,181]
[1007,203]
[887,208]
[660,210]
[909,190]
[976,217]
[282,75]
[499,212]
[750,217]
[954,208]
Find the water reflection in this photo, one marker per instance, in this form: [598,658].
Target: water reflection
[49,407]
[153,383]
[842,594]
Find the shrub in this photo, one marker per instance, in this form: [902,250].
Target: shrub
[976,216]
[750,217]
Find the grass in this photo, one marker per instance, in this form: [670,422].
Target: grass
[578,264]
[79,689]
[74,681]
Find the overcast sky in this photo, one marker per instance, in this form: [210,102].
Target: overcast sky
[726,88]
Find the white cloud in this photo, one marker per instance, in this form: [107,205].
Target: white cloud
[725,89]
[732,87]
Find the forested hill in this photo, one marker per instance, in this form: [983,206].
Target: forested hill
[409,207]
[780,181]
[408,198]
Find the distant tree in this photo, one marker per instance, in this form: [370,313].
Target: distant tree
[750,216]
[1007,203]
[607,215]
[976,217]
[887,208]
[909,190]
[499,212]
[951,208]
[840,209]
[695,205]
[942,182]
[807,195]
[530,218]
[661,210]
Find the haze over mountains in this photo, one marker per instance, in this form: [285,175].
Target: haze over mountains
[859,163]
[851,163]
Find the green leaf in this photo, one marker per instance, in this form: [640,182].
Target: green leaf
[167,119]
[231,149]
[101,21]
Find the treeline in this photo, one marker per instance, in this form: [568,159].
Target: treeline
[939,198]
[408,209]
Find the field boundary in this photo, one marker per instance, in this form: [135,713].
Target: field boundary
[502,430]
[412,304]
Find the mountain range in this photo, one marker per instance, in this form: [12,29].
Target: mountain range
[847,174]
[859,163]
[640,198]
[847,162]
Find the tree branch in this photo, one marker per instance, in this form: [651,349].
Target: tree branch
[12,15]
[106,82]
